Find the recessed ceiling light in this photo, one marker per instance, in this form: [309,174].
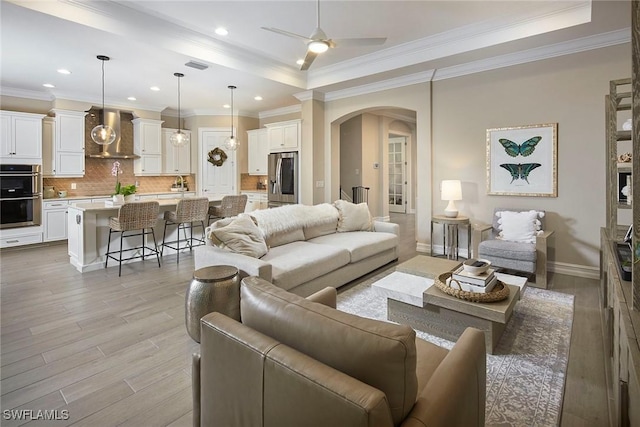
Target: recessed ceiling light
[154,88]
[221,31]
[132,98]
[257,98]
[226,106]
[48,85]
[64,71]
[300,61]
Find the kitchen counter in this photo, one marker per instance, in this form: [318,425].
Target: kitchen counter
[88,228]
[102,206]
[176,194]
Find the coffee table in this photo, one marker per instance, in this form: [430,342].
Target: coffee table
[413,301]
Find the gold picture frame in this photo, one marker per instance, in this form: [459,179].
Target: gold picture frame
[523,161]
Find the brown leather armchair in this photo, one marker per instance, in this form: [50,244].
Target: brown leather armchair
[294,362]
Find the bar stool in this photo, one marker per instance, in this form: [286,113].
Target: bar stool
[229,206]
[139,217]
[187,211]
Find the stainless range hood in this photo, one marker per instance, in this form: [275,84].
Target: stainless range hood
[122,147]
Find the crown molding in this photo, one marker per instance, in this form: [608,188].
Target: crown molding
[292,109]
[393,83]
[28,94]
[536,54]
[308,95]
[448,43]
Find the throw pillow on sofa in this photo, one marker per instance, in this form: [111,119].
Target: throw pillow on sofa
[353,217]
[240,236]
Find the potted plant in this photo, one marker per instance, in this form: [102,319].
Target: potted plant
[123,193]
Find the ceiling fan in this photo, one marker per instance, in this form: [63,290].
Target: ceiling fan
[318,42]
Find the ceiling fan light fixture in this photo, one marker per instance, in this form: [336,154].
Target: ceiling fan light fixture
[103,134]
[179,138]
[231,143]
[318,46]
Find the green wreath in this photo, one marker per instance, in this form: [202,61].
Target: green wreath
[217,157]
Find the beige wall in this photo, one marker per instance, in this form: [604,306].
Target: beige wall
[567,90]
[351,153]
[416,98]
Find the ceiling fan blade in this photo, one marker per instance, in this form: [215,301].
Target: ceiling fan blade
[365,41]
[287,33]
[308,60]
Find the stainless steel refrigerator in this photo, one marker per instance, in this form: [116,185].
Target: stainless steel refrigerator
[283,179]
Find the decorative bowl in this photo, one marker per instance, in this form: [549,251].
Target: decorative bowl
[476,266]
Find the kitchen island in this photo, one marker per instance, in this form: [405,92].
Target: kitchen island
[88,225]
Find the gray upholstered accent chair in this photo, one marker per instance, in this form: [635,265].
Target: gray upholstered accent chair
[229,206]
[530,258]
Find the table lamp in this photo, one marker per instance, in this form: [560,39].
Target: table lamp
[451,190]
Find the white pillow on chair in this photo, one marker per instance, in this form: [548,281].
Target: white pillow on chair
[519,226]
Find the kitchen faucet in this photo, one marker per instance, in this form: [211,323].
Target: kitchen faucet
[181,180]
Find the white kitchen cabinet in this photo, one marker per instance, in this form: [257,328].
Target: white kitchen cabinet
[54,218]
[176,160]
[63,144]
[258,151]
[21,135]
[69,143]
[20,236]
[284,136]
[48,147]
[147,143]
[255,200]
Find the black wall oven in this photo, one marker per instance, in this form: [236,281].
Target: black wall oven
[20,196]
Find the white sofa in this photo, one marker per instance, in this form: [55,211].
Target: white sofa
[308,247]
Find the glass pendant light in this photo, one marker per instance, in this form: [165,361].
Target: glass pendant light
[179,138]
[231,143]
[103,134]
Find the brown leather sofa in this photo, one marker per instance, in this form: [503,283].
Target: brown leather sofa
[295,362]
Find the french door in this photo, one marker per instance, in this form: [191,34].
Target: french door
[397,174]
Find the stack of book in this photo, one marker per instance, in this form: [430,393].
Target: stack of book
[481,283]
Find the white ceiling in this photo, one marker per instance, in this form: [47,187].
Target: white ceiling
[150,40]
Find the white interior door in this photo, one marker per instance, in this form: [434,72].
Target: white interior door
[397,174]
[216,181]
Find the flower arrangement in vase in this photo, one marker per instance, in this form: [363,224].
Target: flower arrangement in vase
[123,193]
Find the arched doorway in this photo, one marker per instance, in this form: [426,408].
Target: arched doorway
[364,157]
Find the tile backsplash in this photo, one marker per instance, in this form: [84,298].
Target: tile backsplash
[252,182]
[98,180]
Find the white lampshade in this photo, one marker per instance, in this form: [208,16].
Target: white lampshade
[451,190]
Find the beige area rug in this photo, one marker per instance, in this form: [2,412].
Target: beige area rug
[526,375]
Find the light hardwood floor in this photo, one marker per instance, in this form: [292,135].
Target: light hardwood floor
[114,350]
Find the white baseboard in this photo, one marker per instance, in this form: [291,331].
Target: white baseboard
[382,218]
[575,270]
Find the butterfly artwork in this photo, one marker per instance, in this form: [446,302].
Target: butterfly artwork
[525,149]
[520,170]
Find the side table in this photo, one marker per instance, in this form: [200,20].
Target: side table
[215,288]
[450,234]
